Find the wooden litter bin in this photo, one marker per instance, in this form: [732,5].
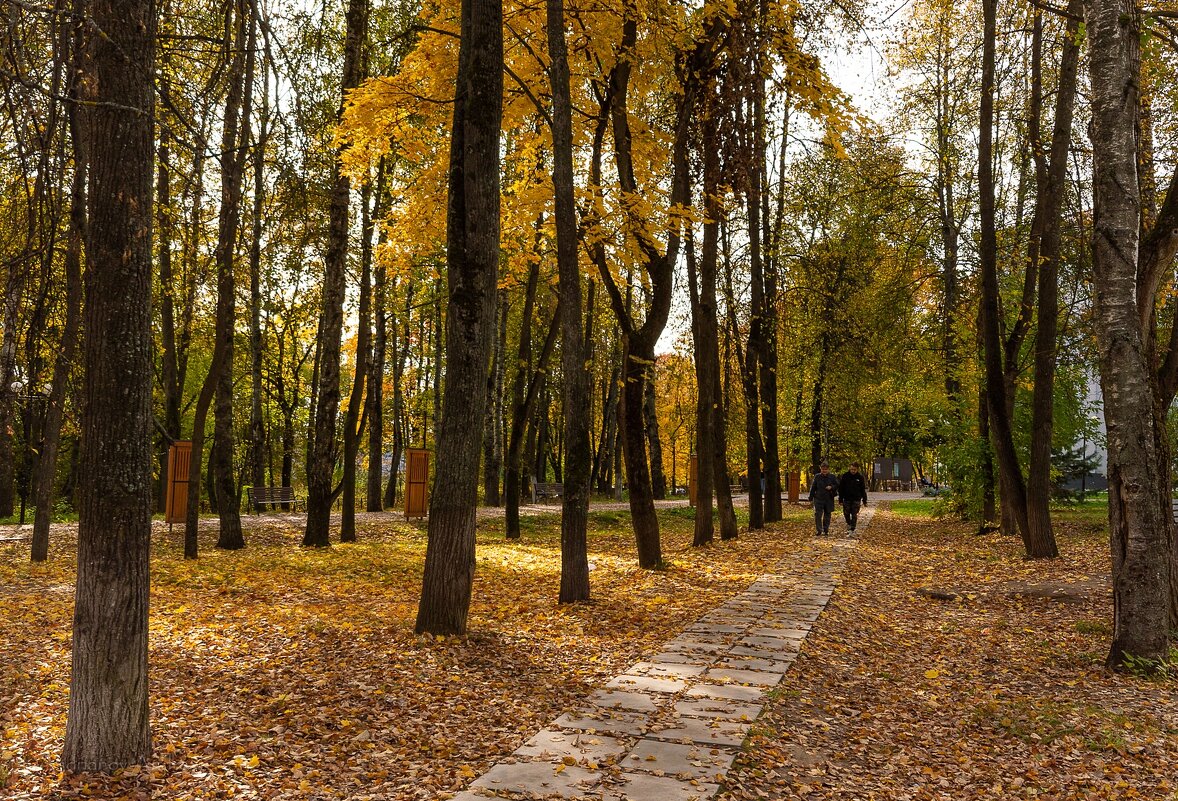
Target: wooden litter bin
[416,483]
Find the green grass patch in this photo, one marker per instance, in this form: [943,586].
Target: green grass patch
[924,508]
[1093,511]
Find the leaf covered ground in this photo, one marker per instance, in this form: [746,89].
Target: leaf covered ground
[279,672]
[948,667]
[945,666]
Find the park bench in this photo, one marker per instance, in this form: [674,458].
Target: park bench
[273,495]
[542,490]
[736,489]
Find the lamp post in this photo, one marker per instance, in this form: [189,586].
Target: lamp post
[27,398]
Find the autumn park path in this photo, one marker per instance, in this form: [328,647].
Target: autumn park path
[670,727]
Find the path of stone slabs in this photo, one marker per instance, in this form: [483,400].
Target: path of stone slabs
[669,728]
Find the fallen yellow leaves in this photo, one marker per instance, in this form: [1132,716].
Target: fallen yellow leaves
[279,672]
[1022,709]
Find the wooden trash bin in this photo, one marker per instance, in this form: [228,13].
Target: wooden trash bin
[416,483]
[176,487]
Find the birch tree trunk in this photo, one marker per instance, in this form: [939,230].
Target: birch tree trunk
[1137,529]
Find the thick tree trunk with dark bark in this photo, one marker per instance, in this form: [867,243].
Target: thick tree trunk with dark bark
[107,727]
[472,268]
[1138,528]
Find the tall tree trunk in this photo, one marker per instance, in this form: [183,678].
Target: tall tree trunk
[708,346]
[321,464]
[472,267]
[1137,527]
[234,146]
[512,474]
[493,435]
[376,368]
[169,358]
[257,438]
[352,419]
[8,347]
[55,412]
[755,344]
[705,474]
[1042,404]
[400,420]
[107,727]
[1014,492]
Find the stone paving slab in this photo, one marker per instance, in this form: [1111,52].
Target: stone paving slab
[641,787]
[669,727]
[581,746]
[671,670]
[706,732]
[646,684]
[616,723]
[732,692]
[683,761]
[540,778]
[622,699]
[717,708]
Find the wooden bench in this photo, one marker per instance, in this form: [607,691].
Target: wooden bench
[273,495]
[543,490]
[736,489]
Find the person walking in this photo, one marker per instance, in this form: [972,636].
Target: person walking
[852,494]
[822,491]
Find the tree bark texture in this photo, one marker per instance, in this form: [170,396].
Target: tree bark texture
[107,727]
[1136,524]
[472,268]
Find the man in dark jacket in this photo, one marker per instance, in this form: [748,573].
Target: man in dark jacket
[822,492]
[852,492]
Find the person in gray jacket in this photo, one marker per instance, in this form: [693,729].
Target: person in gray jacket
[822,492]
